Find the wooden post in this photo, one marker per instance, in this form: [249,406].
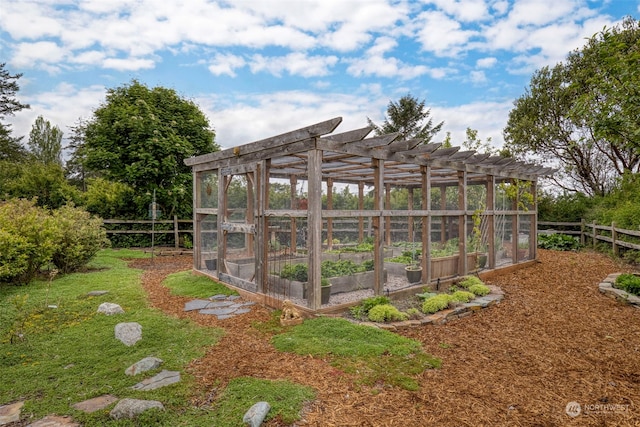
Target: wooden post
[314,214]
[594,234]
[250,213]
[444,220]
[293,182]
[410,208]
[387,220]
[196,226]
[330,207]
[514,226]
[262,257]
[533,232]
[361,208]
[491,232]
[614,236]
[463,268]
[378,202]
[222,217]
[425,172]
[582,231]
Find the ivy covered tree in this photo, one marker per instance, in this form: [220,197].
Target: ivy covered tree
[583,114]
[140,137]
[410,117]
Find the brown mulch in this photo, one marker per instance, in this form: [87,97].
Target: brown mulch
[554,339]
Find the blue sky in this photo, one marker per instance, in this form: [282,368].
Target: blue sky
[258,68]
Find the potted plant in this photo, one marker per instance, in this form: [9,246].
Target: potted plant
[325,291]
[414,273]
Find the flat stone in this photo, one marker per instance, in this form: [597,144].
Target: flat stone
[130,408]
[144,365]
[256,414]
[110,309]
[218,304]
[10,413]
[96,293]
[128,333]
[164,378]
[217,311]
[55,421]
[197,304]
[218,297]
[242,311]
[233,297]
[95,404]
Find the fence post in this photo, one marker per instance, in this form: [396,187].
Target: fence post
[175,231]
[614,236]
[582,228]
[595,233]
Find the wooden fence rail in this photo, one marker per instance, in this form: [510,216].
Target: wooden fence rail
[618,237]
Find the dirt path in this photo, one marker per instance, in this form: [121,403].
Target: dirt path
[554,339]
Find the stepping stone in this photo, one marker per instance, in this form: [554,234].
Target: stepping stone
[95,404]
[242,304]
[110,308]
[197,304]
[164,378]
[96,293]
[10,413]
[128,333]
[242,311]
[129,408]
[217,311]
[218,297]
[233,297]
[215,304]
[55,421]
[144,365]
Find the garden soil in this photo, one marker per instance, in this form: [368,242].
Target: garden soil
[553,340]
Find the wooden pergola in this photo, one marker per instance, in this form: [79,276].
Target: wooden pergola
[319,157]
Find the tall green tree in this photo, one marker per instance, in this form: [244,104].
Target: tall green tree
[140,137]
[582,115]
[45,142]
[411,118]
[10,147]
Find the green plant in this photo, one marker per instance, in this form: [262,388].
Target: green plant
[558,242]
[324,282]
[629,283]
[413,313]
[468,281]
[386,313]
[298,272]
[436,303]
[426,295]
[463,296]
[361,311]
[479,289]
[81,237]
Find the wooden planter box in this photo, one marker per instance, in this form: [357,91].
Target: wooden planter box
[339,284]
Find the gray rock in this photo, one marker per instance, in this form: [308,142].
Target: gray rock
[130,408]
[55,421]
[129,333]
[95,404]
[217,311]
[144,365]
[164,378]
[196,305]
[255,415]
[110,309]
[10,413]
[96,293]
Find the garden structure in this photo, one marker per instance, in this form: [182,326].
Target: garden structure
[265,220]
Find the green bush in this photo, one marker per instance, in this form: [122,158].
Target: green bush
[436,303]
[35,233]
[463,296]
[298,272]
[629,283]
[479,289]
[558,242]
[361,310]
[82,236]
[386,313]
[468,281]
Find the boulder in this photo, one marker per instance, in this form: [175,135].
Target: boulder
[146,364]
[129,333]
[256,414]
[164,378]
[130,408]
[10,413]
[110,309]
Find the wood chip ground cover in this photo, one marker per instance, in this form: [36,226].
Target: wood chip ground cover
[553,340]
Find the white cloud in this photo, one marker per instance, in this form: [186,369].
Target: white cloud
[294,64]
[27,55]
[226,64]
[464,10]
[442,35]
[486,62]
[128,64]
[477,77]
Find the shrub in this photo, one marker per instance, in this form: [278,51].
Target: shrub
[468,281]
[413,313]
[82,236]
[386,313]
[463,296]
[558,242]
[362,310]
[36,235]
[298,272]
[436,303]
[629,283]
[479,289]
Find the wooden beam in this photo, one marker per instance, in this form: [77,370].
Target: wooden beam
[315,228]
